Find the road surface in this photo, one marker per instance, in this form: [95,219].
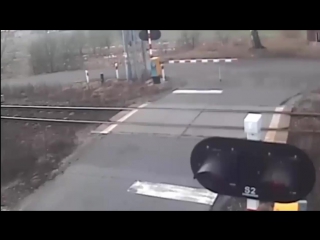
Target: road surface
[63,78]
[268,74]
[124,166]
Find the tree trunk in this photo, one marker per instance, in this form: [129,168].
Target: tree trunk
[49,56]
[256,42]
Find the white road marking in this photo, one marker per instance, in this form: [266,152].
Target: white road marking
[124,118]
[271,135]
[197,92]
[275,121]
[174,192]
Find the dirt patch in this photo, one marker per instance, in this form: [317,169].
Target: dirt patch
[32,153]
[309,142]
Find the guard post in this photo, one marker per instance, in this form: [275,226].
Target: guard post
[102,78]
[155,70]
[296,206]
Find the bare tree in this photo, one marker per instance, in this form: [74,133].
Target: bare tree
[67,50]
[4,38]
[189,39]
[79,40]
[54,52]
[38,60]
[99,39]
[255,39]
[70,51]
[222,37]
[93,40]
[6,58]
[44,54]
[50,44]
[194,39]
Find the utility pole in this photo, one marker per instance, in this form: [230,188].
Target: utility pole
[135,67]
[125,48]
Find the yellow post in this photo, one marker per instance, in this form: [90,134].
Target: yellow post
[286,206]
[156,60]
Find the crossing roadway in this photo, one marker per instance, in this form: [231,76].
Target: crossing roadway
[144,168]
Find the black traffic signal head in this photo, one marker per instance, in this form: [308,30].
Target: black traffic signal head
[154,35]
[259,170]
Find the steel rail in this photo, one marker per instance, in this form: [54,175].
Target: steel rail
[286,129]
[301,114]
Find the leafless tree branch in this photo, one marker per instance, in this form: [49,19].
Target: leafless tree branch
[6,58]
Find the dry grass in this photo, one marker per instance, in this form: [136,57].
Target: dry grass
[290,45]
[291,33]
[30,155]
[79,94]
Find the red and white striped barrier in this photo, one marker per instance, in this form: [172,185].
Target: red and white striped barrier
[163,50]
[150,44]
[216,60]
[213,60]
[110,56]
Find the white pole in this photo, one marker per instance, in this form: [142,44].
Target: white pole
[252,128]
[163,73]
[87,76]
[117,70]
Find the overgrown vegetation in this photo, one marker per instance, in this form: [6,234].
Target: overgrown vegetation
[7,54]
[189,40]
[79,94]
[56,52]
[79,49]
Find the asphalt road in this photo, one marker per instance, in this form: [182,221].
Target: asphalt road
[102,177]
[63,78]
[263,82]
[285,75]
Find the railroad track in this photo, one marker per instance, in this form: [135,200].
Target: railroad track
[57,113]
[101,115]
[63,108]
